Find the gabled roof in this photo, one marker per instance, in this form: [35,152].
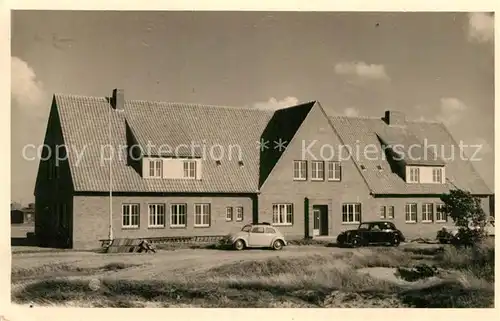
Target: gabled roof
[362,133]
[84,122]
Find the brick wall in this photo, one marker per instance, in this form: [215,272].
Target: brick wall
[281,188]
[91,218]
[53,189]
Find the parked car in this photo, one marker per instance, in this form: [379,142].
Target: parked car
[376,232]
[261,235]
[448,235]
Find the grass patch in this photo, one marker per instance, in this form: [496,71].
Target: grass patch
[321,280]
[451,294]
[304,281]
[479,260]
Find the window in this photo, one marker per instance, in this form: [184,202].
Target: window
[334,171]
[411,213]
[178,215]
[427,212]
[270,230]
[440,214]
[155,168]
[414,175]
[190,169]
[130,215]
[300,170]
[382,212]
[156,215]
[351,213]
[282,214]
[258,229]
[317,171]
[239,213]
[437,175]
[229,213]
[390,212]
[202,215]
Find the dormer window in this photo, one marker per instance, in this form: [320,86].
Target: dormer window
[190,169]
[155,168]
[437,175]
[414,175]
[425,174]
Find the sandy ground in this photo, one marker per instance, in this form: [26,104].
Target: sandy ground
[20,230]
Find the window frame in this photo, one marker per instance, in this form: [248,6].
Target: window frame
[284,219]
[334,168]
[156,215]
[229,213]
[188,170]
[429,216]
[440,214]
[383,212]
[391,209]
[316,169]
[410,213]
[178,214]
[131,215]
[238,210]
[301,170]
[203,207]
[157,168]
[350,210]
[414,175]
[437,173]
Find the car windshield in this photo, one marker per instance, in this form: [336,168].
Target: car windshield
[246,228]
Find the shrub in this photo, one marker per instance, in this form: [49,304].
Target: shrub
[467,214]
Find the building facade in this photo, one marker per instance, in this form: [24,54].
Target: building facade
[194,170]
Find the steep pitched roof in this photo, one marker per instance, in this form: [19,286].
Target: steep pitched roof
[362,134]
[84,122]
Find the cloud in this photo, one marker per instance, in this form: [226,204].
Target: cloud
[351,112]
[274,104]
[481,27]
[361,70]
[26,91]
[451,111]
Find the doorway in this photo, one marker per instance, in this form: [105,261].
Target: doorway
[320,220]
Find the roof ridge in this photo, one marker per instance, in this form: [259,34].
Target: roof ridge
[418,121]
[355,117]
[200,105]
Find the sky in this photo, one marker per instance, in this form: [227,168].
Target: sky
[431,66]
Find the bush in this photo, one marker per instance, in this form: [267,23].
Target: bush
[467,214]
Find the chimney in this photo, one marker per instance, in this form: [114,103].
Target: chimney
[395,118]
[118,99]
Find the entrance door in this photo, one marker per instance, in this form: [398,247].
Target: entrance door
[320,220]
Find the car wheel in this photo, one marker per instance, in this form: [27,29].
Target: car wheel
[395,240]
[239,245]
[277,245]
[356,242]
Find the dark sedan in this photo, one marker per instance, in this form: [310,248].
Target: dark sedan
[377,232]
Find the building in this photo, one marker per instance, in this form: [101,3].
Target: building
[195,170]
[22,215]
